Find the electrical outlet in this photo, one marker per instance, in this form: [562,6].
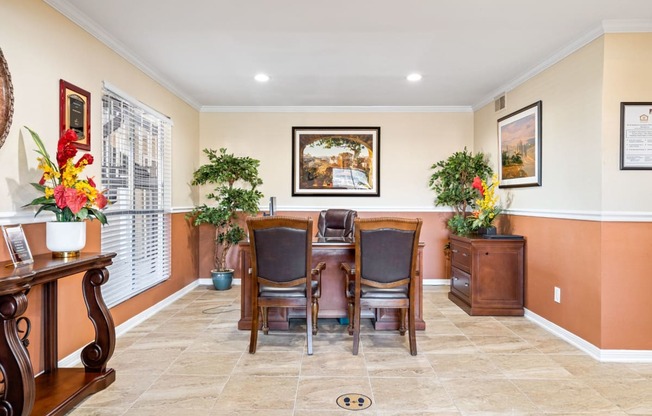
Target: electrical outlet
[557,294]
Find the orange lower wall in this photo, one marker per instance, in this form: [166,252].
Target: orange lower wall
[75,329]
[626,285]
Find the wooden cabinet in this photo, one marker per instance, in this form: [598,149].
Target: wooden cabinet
[487,275]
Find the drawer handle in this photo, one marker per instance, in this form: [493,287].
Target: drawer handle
[465,254]
[455,251]
[466,284]
[456,278]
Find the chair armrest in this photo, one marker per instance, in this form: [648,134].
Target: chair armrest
[349,274]
[316,275]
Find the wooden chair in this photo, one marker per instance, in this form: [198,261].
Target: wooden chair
[281,270]
[385,272]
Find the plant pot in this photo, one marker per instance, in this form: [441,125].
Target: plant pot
[487,231]
[65,239]
[222,279]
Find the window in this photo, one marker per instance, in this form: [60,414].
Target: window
[136,171]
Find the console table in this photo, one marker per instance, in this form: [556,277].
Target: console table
[332,303]
[57,390]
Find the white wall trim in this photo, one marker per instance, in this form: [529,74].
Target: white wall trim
[75,358]
[81,20]
[335,109]
[621,356]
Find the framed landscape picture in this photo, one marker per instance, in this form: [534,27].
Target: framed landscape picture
[336,161]
[519,147]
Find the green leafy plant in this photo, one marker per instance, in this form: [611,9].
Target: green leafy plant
[236,181]
[452,181]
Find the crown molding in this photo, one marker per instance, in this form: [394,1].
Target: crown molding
[100,34]
[336,109]
[606,26]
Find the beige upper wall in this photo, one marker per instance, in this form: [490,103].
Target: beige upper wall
[627,73]
[409,144]
[571,92]
[41,47]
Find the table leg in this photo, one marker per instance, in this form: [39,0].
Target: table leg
[96,354]
[17,396]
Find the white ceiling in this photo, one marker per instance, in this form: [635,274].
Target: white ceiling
[348,52]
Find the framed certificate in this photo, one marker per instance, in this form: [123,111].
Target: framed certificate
[17,245]
[75,113]
[635,136]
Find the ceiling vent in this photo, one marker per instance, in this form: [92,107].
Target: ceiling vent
[499,102]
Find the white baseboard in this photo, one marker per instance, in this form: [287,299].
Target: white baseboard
[436,282]
[615,356]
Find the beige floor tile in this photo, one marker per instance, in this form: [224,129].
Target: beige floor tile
[415,394]
[397,364]
[633,396]
[564,396]
[100,411]
[488,397]
[124,391]
[219,341]
[182,392]
[333,364]
[583,366]
[484,327]
[529,366]
[464,366]
[503,344]
[270,363]
[243,392]
[204,363]
[446,344]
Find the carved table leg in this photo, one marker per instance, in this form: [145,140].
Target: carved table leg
[18,378]
[96,354]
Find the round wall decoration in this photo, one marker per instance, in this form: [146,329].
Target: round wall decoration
[6,99]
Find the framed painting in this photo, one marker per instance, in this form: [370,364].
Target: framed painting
[75,113]
[336,161]
[635,136]
[519,147]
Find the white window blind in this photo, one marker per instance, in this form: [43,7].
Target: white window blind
[136,157]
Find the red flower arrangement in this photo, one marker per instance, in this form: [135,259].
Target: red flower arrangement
[70,198]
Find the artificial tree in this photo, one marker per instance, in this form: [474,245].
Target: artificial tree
[452,181]
[235,193]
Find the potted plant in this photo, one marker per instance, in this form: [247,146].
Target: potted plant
[236,181]
[452,181]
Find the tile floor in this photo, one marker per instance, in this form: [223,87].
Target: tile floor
[190,359]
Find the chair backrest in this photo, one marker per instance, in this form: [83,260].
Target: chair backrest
[281,248]
[336,223]
[386,249]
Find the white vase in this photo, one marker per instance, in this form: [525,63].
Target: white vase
[65,239]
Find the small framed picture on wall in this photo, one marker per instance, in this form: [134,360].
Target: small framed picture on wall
[75,113]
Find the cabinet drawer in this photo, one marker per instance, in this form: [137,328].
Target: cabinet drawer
[461,257]
[461,282]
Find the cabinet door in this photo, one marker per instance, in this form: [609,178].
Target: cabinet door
[498,276]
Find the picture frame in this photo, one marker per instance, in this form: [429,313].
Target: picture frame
[519,147]
[635,136]
[17,245]
[336,161]
[75,113]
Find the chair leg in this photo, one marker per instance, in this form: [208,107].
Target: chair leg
[356,327]
[253,339]
[412,329]
[309,326]
[265,324]
[401,325]
[315,313]
[350,313]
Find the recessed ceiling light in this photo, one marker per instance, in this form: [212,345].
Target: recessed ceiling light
[414,77]
[261,77]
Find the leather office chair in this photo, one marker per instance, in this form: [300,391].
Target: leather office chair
[385,272]
[336,223]
[281,270]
